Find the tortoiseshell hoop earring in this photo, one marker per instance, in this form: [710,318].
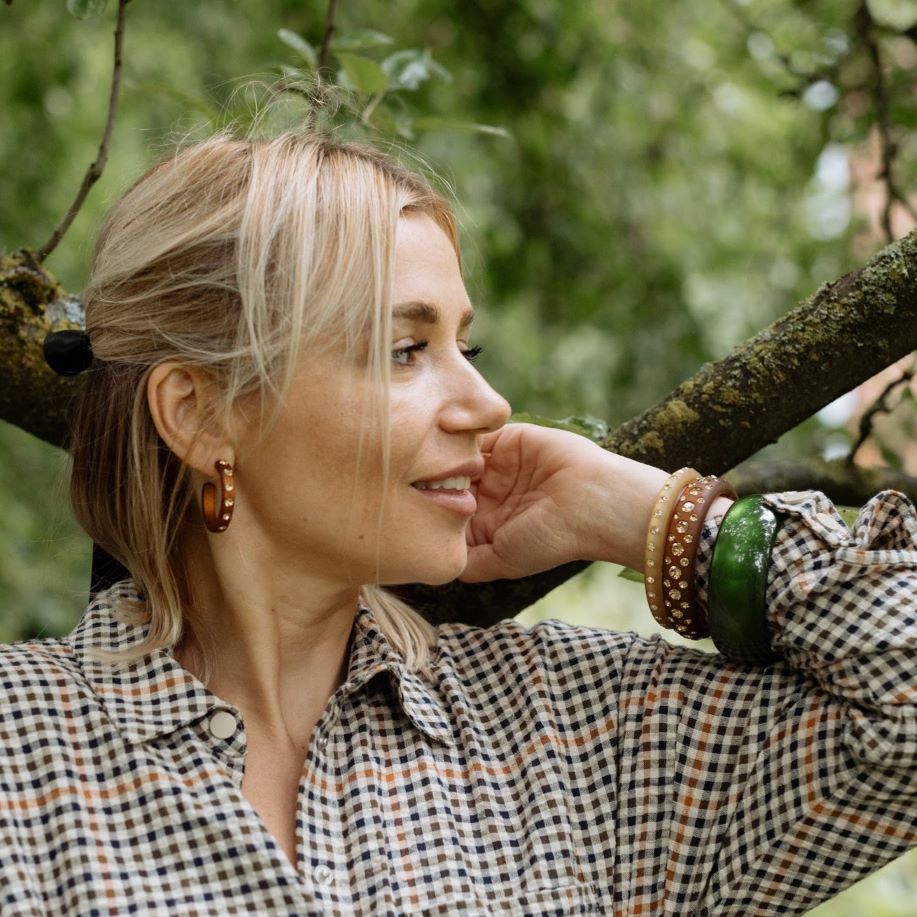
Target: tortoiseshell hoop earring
[218,520]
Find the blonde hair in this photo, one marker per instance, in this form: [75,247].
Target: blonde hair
[234,255]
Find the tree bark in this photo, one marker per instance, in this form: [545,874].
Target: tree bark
[32,303]
[848,331]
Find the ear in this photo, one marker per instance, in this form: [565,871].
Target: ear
[178,397]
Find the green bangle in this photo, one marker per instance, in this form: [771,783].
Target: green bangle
[738,581]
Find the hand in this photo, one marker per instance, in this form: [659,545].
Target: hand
[548,496]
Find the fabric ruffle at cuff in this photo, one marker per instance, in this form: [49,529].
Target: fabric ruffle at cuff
[814,537]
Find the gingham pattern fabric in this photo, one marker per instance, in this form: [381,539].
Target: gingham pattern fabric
[554,770]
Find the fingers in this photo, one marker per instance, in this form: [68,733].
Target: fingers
[488,440]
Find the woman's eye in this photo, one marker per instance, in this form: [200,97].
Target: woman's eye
[403,356]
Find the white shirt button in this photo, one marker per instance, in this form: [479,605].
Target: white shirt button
[222,724]
[322,875]
[832,524]
[323,742]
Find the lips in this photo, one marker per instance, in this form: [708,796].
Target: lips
[459,478]
[450,489]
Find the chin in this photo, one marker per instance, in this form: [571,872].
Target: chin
[435,570]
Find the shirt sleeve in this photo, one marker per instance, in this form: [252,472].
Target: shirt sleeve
[767,790]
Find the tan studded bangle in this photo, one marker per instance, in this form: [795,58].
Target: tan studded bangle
[656,540]
[680,557]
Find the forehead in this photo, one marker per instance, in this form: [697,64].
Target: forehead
[426,267]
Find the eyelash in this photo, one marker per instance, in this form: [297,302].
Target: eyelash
[471,354]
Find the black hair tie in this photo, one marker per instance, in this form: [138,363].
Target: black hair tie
[68,353]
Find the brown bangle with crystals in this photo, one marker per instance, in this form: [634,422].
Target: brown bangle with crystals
[680,557]
[655,540]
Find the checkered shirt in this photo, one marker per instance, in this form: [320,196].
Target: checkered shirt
[548,770]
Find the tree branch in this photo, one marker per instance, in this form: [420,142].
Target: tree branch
[32,303]
[317,92]
[848,331]
[847,485]
[845,333]
[98,164]
[879,406]
[888,149]
[325,53]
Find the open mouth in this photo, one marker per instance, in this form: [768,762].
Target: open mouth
[453,494]
[453,484]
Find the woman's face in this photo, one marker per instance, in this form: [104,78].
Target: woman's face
[301,491]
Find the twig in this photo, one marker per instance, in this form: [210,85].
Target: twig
[806,77]
[371,107]
[888,149]
[317,93]
[98,164]
[325,51]
[879,406]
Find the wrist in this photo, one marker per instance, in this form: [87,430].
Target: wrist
[625,492]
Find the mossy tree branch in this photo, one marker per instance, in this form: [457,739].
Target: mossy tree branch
[32,303]
[848,331]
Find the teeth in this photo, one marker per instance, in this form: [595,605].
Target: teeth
[457,483]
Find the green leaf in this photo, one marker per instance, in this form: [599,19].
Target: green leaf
[848,514]
[300,45]
[432,123]
[83,9]
[409,68]
[360,40]
[584,425]
[362,73]
[631,575]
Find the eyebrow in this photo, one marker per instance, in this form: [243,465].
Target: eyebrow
[419,310]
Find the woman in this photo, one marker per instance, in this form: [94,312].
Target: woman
[282,418]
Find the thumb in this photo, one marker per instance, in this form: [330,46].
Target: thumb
[489,439]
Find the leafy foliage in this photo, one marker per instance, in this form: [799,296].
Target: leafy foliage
[641,185]
[84,8]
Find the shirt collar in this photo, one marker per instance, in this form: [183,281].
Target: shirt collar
[154,695]
[371,653]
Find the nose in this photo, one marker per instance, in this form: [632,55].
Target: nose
[473,404]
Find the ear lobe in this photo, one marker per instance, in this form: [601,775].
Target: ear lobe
[178,397]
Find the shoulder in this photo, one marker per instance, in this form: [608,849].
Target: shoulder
[36,678]
[559,654]
[35,662]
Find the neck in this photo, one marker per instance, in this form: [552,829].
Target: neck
[278,643]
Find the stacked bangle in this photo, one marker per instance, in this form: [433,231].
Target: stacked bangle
[737,592]
[680,557]
[738,581]
[656,540]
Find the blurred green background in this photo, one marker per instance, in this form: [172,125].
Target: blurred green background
[641,185]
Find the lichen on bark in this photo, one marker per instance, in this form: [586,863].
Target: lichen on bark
[33,303]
